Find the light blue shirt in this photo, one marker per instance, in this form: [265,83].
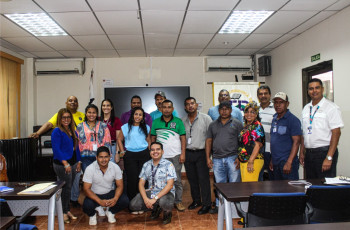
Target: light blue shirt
[157,114]
[165,172]
[214,113]
[135,141]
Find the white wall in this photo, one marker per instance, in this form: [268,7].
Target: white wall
[331,39]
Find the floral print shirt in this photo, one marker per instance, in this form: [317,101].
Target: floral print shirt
[247,137]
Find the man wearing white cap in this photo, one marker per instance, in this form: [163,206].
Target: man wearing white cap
[285,140]
[159,97]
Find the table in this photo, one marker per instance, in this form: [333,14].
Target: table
[47,202]
[325,226]
[241,191]
[6,221]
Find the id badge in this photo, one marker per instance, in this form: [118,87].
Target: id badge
[94,147]
[152,196]
[189,141]
[274,129]
[310,130]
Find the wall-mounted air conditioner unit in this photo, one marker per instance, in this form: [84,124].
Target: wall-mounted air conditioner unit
[236,63]
[59,66]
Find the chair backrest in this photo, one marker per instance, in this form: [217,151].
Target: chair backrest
[330,203]
[269,209]
[5,208]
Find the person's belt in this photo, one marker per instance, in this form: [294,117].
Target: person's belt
[195,150]
[113,142]
[324,148]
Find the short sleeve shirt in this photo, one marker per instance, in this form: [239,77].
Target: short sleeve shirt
[78,118]
[266,116]
[168,133]
[165,171]
[214,113]
[247,138]
[135,140]
[282,131]
[157,114]
[113,128]
[102,183]
[327,117]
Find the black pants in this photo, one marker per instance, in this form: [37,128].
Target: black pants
[197,172]
[313,163]
[133,162]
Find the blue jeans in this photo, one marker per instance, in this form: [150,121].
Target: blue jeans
[225,171]
[75,187]
[267,159]
[278,171]
[113,149]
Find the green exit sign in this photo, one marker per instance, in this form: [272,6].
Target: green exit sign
[315,57]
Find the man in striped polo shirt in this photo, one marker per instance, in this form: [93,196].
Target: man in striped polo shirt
[266,113]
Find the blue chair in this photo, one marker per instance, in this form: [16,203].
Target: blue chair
[18,225]
[330,203]
[271,209]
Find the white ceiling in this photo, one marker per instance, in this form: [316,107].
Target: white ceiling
[139,28]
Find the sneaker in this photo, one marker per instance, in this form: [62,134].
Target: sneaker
[167,217]
[180,207]
[111,218]
[135,213]
[101,211]
[141,212]
[155,213]
[93,220]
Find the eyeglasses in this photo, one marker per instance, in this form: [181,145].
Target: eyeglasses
[250,112]
[66,118]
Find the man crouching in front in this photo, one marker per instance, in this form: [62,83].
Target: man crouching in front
[99,178]
[160,174]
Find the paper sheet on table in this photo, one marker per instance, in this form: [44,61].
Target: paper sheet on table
[38,188]
[335,180]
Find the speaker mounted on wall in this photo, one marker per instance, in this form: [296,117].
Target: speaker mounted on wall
[264,63]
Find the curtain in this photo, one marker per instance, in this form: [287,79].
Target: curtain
[10,88]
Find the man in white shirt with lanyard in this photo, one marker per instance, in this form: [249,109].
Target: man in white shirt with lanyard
[266,113]
[321,122]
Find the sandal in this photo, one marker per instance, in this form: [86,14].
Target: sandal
[66,218]
[71,216]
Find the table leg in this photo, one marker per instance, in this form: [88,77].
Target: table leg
[221,212]
[59,211]
[228,215]
[51,215]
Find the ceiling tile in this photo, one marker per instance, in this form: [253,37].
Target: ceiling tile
[313,21]
[127,41]
[120,22]
[215,52]
[162,21]
[261,4]
[264,51]
[281,40]
[160,52]
[163,5]
[78,23]
[200,22]
[63,5]
[103,53]
[156,41]
[75,53]
[193,41]
[132,53]
[243,52]
[94,42]
[187,52]
[339,5]
[284,21]
[29,44]
[212,5]
[10,29]
[61,43]
[308,5]
[222,41]
[52,54]
[10,46]
[27,54]
[106,5]
[258,41]
[19,6]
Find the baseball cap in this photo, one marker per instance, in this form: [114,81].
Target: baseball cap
[160,93]
[281,95]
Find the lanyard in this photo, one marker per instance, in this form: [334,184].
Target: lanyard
[192,125]
[153,175]
[312,117]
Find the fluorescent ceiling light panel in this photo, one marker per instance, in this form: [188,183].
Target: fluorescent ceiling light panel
[39,24]
[242,22]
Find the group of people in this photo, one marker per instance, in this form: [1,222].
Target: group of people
[153,147]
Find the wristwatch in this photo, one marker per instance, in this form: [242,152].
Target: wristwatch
[156,198]
[329,158]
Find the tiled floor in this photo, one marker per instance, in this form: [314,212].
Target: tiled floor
[189,219]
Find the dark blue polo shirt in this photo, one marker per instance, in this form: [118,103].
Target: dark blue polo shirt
[282,131]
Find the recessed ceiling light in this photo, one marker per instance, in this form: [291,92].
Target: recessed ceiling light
[244,21]
[38,24]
